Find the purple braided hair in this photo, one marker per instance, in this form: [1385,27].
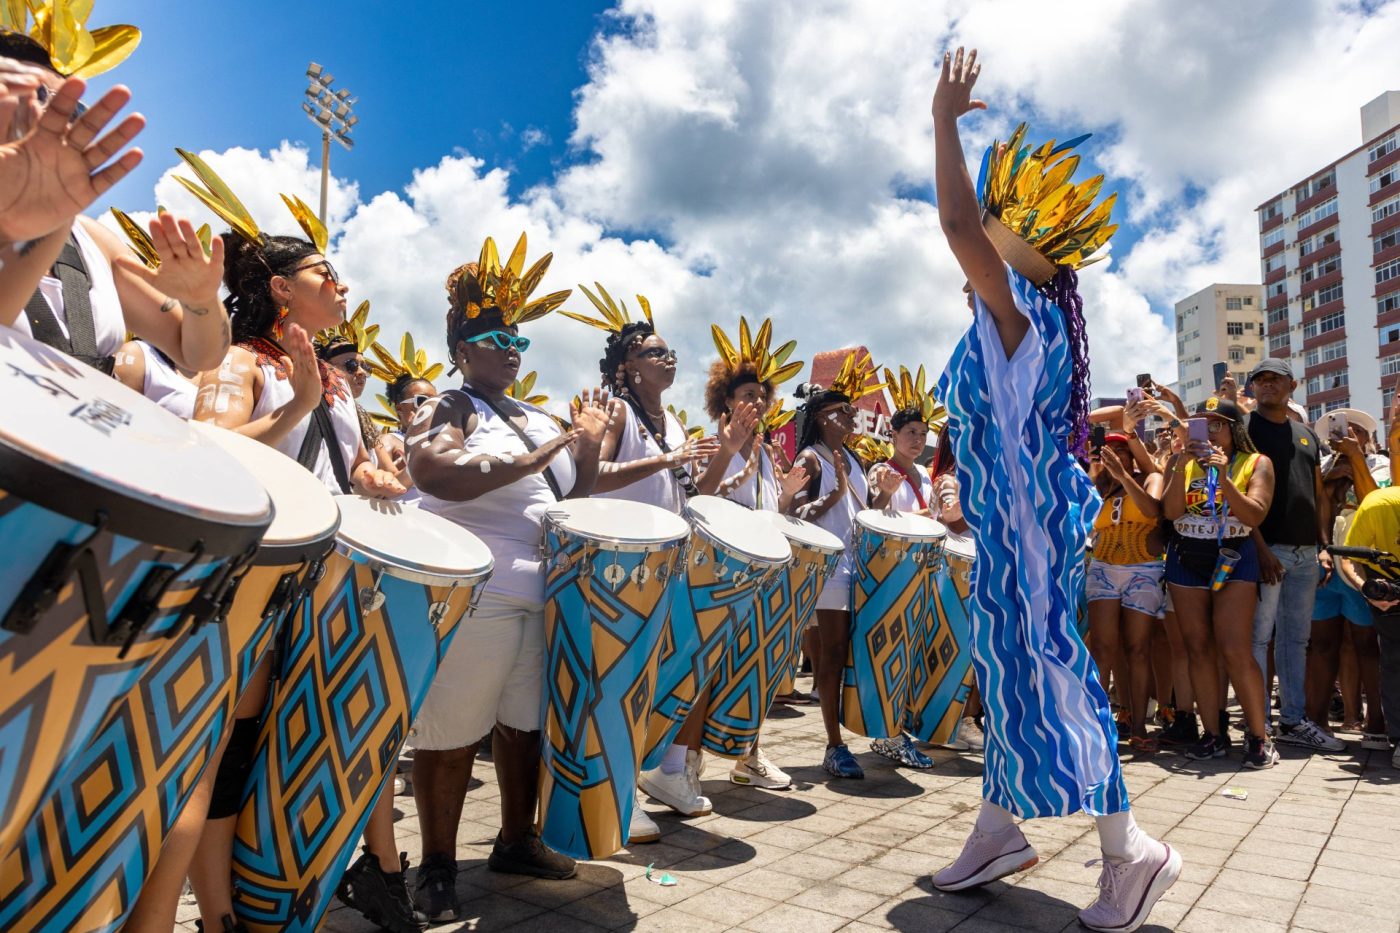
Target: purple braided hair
[1063,289]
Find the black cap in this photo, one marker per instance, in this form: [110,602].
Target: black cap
[1273,365]
[1219,408]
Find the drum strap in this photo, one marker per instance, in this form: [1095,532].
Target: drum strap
[525,439]
[320,433]
[682,475]
[81,340]
[911,479]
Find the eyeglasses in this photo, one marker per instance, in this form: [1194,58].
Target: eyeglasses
[502,340]
[656,353]
[328,271]
[355,367]
[44,96]
[1213,426]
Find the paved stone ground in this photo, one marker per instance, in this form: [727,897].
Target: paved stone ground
[1314,847]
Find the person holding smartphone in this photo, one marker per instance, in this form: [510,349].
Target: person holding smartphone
[1214,500]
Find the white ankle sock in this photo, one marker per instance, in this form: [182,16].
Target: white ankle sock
[993,818]
[674,762]
[1120,838]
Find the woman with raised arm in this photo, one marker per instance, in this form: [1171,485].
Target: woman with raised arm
[1017,394]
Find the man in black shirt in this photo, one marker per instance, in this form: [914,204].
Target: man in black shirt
[1288,541]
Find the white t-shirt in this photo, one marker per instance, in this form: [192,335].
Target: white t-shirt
[509,519]
[660,488]
[277,391]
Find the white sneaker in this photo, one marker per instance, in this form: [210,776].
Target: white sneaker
[971,734]
[756,770]
[985,858]
[1307,734]
[643,828]
[679,791]
[1129,890]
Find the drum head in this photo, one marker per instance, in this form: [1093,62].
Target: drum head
[960,546]
[618,520]
[75,442]
[901,524]
[412,544]
[738,528]
[306,513]
[802,532]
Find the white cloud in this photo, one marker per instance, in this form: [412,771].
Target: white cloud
[756,156]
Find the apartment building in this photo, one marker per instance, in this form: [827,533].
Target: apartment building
[1221,323]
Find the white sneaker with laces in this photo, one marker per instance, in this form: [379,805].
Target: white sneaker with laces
[679,791]
[642,828]
[971,734]
[755,770]
[1307,734]
[985,858]
[1129,890]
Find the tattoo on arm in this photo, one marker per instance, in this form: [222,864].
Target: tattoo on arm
[197,312]
[168,305]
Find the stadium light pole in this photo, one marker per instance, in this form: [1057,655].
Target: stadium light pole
[330,111]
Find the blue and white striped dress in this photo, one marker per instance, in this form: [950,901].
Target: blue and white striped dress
[1051,739]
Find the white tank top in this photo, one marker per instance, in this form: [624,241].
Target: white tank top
[904,500]
[108,324]
[759,491]
[660,488]
[841,517]
[508,519]
[163,385]
[277,391]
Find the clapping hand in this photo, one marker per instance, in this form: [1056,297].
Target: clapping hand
[589,416]
[737,427]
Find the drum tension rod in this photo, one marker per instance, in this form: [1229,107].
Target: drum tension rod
[215,597]
[141,609]
[281,648]
[371,599]
[41,593]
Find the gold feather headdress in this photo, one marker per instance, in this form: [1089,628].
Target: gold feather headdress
[60,26]
[871,449]
[683,418]
[753,356]
[1034,215]
[412,361]
[215,194]
[507,288]
[355,330]
[776,417]
[854,380]
[613,317]
[909,393]
[520,390]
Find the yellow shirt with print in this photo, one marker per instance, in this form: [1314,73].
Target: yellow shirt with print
[1377,522]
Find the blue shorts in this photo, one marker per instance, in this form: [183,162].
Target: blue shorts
[1337,600]
[1179,574]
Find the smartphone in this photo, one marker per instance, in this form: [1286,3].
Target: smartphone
[1097,438]
[1220,371]
[1198,429]
[1336,430]
[1144,380]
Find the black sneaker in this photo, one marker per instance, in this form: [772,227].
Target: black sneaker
[1259,753]
[1184,730]
[530,856]
[435,892]
[1207,748]
[380,896]
[227,924]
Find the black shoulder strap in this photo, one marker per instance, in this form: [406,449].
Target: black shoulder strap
[320,434]
[81,340]
[530,445]
[682,475]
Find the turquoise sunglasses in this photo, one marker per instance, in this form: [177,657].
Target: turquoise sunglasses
[503,341]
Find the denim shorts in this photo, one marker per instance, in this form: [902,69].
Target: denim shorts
[1246,571]
[1136,586]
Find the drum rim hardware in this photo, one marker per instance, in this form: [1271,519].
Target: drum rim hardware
[41,591]
[623,545]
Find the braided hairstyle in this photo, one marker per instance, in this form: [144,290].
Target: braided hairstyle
[248,272]
[814,399]
[615,354]
[1063,289]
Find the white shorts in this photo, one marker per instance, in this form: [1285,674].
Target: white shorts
[1137,586]
[836,594]
[493,672]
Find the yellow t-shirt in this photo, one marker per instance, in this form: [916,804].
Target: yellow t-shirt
[1377,522]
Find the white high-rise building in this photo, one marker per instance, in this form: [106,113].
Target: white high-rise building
[1330,252]
[1221,323]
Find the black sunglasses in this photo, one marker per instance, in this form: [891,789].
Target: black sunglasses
[43,95]
[330,272]
[656,353]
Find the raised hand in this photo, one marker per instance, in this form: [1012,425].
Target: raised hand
[887,480]
[953,96]
[737,427]
[186,273]
[54,173]
[590,416]
[304,374]
[794,481]
[536,460]
[1111,463]
[696,449]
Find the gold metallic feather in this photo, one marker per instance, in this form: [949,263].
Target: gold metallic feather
[111,45]
[139,240]
[612,317]
[310,224]
[751,354]
[219,198]
[508,288]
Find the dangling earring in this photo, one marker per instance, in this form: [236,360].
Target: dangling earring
[282,313]
[637,378]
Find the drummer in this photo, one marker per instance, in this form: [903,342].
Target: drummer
[493,465]
[836,490]
[901,484]
[145,368]
[738,397]
[272,388]
[648,457]
[408,381]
